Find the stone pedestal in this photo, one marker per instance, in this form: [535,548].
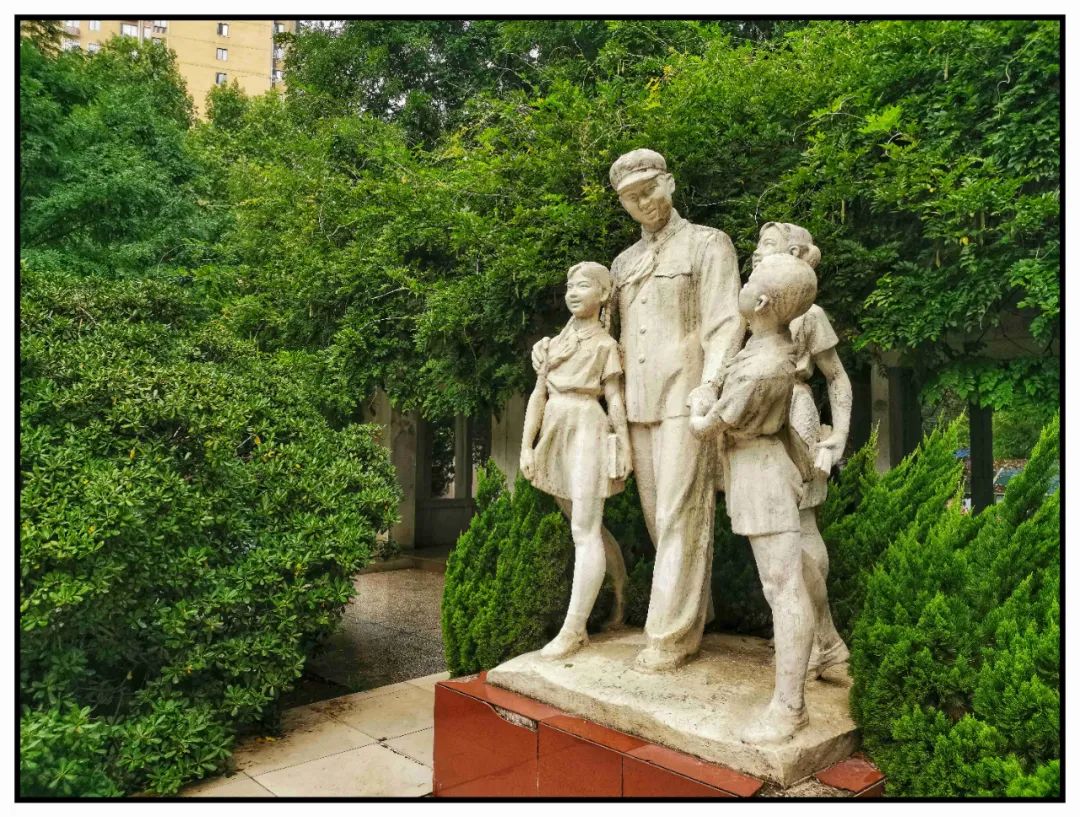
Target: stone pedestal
[490,742]
[697,710]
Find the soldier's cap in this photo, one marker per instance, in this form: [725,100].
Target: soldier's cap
[636,166]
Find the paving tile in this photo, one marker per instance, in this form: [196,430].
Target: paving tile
[602,735]
[478,753]
[417,745]
[308,734]
[477,686]
[429,681]
[370,771]
[236,785]
[876,790]
[386,715]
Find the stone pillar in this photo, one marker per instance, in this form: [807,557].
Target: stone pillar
[980,422]
[399,437]
[506,429]
[879,416]
[403,442]
[462,464]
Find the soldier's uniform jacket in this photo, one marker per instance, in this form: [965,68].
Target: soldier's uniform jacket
[677,293]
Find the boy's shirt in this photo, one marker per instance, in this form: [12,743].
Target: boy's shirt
[757,390]
[762,484]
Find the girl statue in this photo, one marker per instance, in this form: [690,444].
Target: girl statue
[582,454]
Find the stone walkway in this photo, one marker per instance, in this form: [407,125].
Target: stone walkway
[390,632]
[376,743]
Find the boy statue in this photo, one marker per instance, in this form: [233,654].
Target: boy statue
[762,483]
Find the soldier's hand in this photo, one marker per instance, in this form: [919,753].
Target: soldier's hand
[540,353]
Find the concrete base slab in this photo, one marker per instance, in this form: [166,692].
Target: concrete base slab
[697,709]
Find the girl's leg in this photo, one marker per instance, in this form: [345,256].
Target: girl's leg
[829,648]
[586,518]
[615,566]
[779,561]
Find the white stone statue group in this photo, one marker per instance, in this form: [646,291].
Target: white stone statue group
[690,408]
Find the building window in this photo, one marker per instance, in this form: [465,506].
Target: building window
[128,30]
[221,78]
[277,76]
[223,54]
[161,24]
[279,28]
[223,29]
[93,48]
[147,32]
[69,45]
[95,25]
[279,53]
[71,23]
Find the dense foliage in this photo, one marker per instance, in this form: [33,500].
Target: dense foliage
[423,223]
[955,655]
[106,175]
[190,525]
[192,508]
[508,577]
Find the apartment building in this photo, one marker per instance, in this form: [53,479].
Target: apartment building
[208,52]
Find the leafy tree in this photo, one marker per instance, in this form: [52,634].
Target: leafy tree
[849,128]
[105,173]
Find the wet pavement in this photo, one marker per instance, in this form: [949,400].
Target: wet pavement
[390,632]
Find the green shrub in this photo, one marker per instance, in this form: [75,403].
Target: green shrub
[955,654]
[904,501]
[190,525]
[508,578]
[60,753]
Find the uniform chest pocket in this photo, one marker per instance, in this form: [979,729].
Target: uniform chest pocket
[677,289]
[676,272]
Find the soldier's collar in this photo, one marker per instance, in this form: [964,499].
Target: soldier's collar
[675,223]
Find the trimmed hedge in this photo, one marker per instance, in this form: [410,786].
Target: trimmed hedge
[955,654]
[190,526]
[508,578]
[866,511]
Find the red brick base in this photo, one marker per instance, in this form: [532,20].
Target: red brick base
[493,743]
